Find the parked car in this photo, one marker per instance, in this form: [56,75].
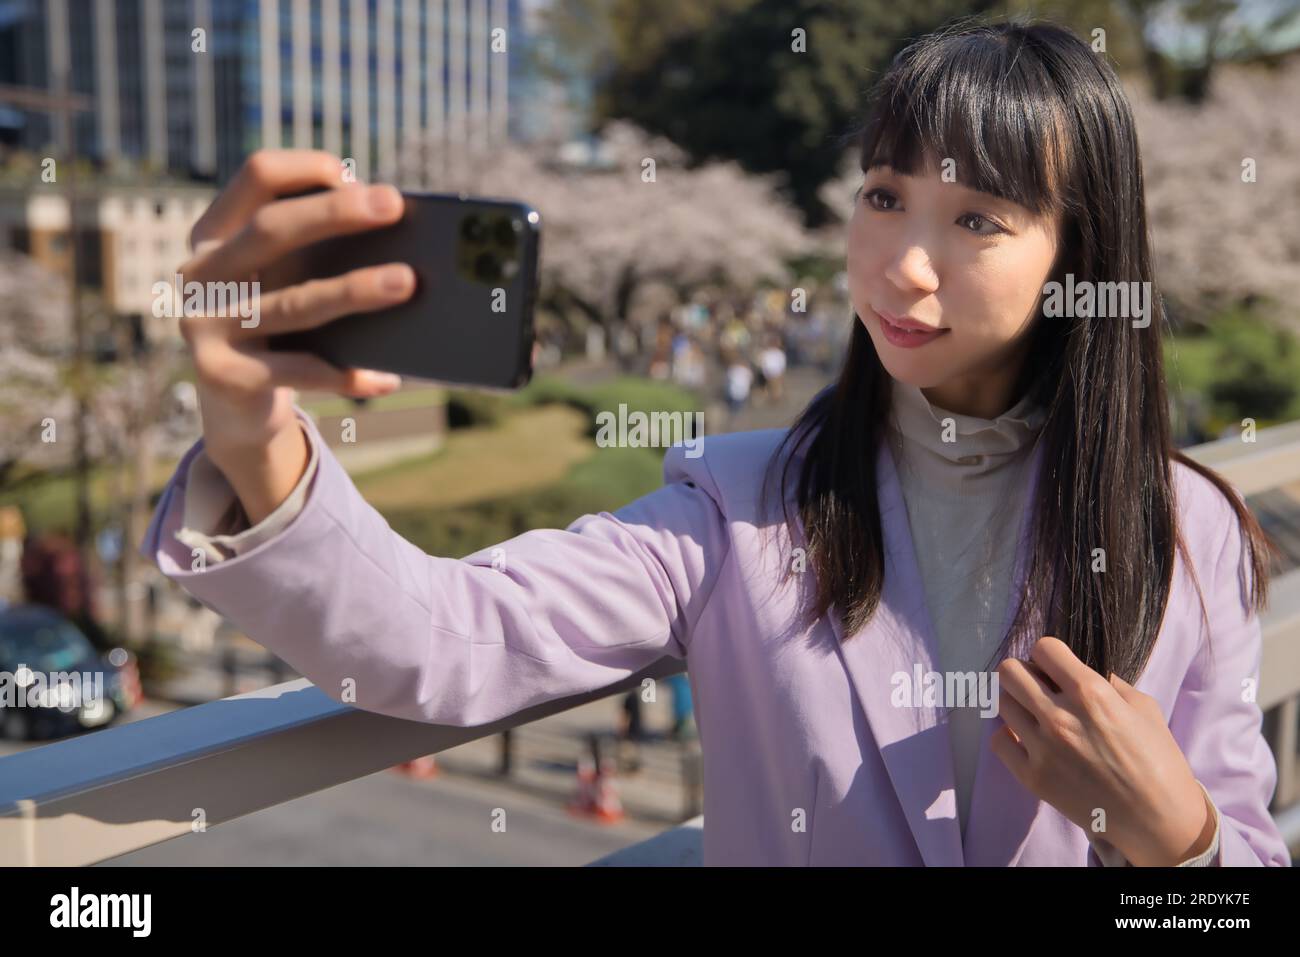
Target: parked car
[37,644]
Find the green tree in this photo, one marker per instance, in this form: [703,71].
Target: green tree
[1257,370]
[774,84]
[1214,30]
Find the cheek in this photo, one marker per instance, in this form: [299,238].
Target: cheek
[859,258]
[1002,293]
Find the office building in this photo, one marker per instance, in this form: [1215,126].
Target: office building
[191,87]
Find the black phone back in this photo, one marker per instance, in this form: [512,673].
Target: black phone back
[470,320]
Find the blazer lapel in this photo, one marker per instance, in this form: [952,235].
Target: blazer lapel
[899,641]
[914,741]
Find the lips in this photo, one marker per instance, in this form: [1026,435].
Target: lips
[905,322]
[906,333]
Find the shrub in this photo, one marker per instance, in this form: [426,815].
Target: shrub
[467,408]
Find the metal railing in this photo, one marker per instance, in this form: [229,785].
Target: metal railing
[98,796]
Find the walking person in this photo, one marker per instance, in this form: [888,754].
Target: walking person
[739,379]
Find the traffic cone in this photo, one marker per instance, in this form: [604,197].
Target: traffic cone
[609,809]
[597,795]
[420,768]
[585,799]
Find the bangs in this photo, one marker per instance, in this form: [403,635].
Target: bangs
[981,99]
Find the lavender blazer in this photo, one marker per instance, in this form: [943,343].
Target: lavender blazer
[805,759]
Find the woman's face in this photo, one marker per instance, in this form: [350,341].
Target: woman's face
[953,259]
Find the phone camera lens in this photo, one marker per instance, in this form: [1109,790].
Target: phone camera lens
[505,234]
[472,229]
[487,268]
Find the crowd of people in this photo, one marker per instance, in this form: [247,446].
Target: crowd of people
[738,350]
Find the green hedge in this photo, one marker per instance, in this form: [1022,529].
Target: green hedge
[1242,367]
[468,408]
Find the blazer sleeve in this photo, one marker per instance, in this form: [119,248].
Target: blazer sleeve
[1216,720]
[351,604]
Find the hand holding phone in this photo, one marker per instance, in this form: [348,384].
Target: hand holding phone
[246,389]
[470,320]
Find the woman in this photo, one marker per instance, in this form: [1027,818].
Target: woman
[995,489]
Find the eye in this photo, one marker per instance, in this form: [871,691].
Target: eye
[879,192]
[967,217]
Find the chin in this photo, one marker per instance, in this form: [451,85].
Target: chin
[920,378]
[908,365]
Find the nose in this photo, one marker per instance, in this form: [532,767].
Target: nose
[911,269]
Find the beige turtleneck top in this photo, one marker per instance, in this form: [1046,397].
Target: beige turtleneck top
[963,481]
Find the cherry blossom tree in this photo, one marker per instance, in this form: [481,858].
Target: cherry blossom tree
[35,329]
[641,215]
[1223,183]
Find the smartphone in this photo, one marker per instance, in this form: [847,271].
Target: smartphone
[469,321]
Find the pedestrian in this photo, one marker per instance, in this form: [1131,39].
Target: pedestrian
[739,379]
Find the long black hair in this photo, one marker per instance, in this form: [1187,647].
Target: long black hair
[1030,113]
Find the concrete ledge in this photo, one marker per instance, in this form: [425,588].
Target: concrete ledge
[681,846]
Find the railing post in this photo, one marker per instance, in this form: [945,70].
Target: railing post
[692,779]
[229,669]
[507,753]
[1288,712]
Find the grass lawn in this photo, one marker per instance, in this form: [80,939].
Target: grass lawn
[604,481]
[538,467]
[531,448]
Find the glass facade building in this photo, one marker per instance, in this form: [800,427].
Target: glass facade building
[194,86]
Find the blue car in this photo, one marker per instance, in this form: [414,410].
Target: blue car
[52,681]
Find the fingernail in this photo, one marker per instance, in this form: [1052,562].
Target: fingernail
[384,200]
[397,278]
[385,380]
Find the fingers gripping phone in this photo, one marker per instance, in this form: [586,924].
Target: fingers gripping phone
[470,319]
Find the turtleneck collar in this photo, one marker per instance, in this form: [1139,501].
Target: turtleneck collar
[977,446]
